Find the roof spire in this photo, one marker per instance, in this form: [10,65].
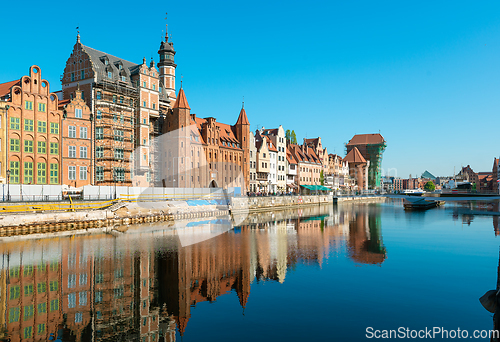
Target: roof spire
[78,34]
[243,103]
[166,28]
[182,77]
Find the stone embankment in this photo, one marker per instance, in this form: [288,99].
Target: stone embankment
[128,213]
[119,214]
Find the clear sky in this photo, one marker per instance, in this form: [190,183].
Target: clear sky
[424,74]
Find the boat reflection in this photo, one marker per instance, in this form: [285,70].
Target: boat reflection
[141,284]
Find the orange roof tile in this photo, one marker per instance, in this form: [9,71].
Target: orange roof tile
[242,119]
[365,139]
[5,87]
[181,101]
[354,156]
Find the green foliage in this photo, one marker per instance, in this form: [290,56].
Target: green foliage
[288,136]
[294,137]
[322,178]
[429,186]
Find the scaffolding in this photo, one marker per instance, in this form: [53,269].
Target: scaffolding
[373,154]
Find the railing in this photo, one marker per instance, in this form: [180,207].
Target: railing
[38,207]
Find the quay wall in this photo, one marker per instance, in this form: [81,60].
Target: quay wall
[128,213]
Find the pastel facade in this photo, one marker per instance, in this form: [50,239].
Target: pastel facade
[277,136]
[253,164]
[77,142]
[33,127]
[263,163]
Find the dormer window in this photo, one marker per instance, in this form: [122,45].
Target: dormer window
[106,62]
[124,79]
[120,67]
[110,75]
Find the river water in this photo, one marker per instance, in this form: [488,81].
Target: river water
[326,273]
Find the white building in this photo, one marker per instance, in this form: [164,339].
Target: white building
[277,136]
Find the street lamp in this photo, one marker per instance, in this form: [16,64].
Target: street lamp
[8,185]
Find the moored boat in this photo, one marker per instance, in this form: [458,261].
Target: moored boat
[420,204]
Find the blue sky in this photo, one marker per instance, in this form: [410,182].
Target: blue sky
[426,75]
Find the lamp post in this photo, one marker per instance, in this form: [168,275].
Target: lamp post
[8,185]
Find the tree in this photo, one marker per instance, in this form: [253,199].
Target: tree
[429,186]
[288,136]
[322,178]
[294,137]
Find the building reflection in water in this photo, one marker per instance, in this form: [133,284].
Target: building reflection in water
[142,285]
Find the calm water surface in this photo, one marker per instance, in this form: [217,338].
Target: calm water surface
[321,273]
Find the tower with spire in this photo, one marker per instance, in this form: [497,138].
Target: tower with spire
[167,65]
[242,128]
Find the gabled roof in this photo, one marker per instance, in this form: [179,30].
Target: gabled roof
[242,119]
[271,131]
[5,87]
[271,146]
[354,156]
[101,69]
[181,101]
[290,158]
[366,139]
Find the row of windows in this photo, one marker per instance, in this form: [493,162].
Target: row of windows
[28,269]
[42,107]
[115,98]
[15,290]
[29,311]
[15,146]
[82,75]
[15,124]
[82,299]
[72,172]
[41,173]
[72,151]
[72,132]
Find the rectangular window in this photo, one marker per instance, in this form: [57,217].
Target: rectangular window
[14,315]
[83,173]
[41,173]
[121,99]
[28,172]
[15,123]
[14,171]
[99,115]
[99,151]
[99,132]
[98,296]
[72,172]
[72,131]
[28,331]
[28,105]
[54,148]
[144,103]
[14,145]
[72,76]
[119,174]
[114,98]
[83,132]
[71,151]
[41,126]
[41,287]
[54,173]
[144,84]
[110,75]
[53,285]
[41,107]
[82,74]
[83,298]
[54,128]
[118,135]
[99,95]
[28,146]
[28,312]
[42,147]
[28,125]
[78,317]
[100,173]
[41,328]
[119,153]
[54,305]
[124,79]
[15,292]
[28,290]
[72,300]
[78,113]
[71,280]
[83,152]
[154,86]
[41,308]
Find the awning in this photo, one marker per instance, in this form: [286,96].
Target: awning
[291,185]
[316,187]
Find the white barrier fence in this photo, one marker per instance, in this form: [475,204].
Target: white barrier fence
[30,193]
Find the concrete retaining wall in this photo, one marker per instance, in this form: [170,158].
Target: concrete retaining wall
[276,202]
